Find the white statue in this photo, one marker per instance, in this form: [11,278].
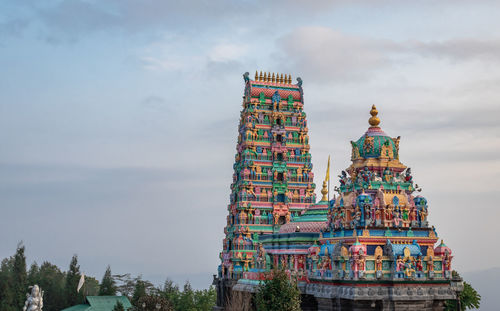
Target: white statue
[34,301]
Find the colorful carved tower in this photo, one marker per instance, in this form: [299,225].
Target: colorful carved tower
[273,179]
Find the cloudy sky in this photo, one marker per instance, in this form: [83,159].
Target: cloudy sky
[118,118]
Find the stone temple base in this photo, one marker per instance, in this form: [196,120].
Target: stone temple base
[386,297]
[362,305]
[396,297]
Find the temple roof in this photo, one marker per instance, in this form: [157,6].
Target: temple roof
[314,219]
[101,303]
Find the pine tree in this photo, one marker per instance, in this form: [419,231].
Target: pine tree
[108,284]
[19,281]
[172,293]
[33,274]
[118,307]
[72,278]
[186,301]
[139,292]
[6,292]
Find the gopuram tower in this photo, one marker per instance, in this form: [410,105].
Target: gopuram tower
[273,179]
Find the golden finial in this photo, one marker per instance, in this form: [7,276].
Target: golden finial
[269,77]
[289,79]
[274,78]
[265,77]
[374,120]
[324,191]
[281,78]
[256,76]
[261,77]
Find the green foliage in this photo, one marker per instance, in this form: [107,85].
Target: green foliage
[51,280]
[188,299]
[91,286]
[72,278]
[118,307]
[108,284]
[125,284]
[19,280]
[139,292]
[469,299]
[205,299]
[6,292]
[278,293]
[60,288]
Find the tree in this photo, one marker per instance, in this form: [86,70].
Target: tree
[108,284]
[33,274]
[186,300]
[91,287]
[205,299]
[469,299]
[126,284]
[72,278]
[19,280]
[118,307]
[139,292]
[51,280]
[6,292]
[278,293]
[171,292]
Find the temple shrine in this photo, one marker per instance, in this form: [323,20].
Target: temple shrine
[369,248]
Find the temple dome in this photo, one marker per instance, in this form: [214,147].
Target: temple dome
[442,249]
[370,144]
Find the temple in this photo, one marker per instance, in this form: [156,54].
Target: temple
[370,247]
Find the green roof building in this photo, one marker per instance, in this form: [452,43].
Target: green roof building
[101,303]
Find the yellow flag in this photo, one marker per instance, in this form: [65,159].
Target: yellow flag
[328,170]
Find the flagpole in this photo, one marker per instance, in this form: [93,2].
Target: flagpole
[328,179]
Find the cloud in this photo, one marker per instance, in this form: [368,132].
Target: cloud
[70,19]
[226,52]
[13,27]
[461,49]
[160,64]
[155,102]
[323,54]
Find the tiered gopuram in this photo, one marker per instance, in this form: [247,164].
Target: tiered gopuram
[273,179]
[371,247]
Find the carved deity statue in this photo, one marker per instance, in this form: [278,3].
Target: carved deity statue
[355,151]
[378,263]
[34,301]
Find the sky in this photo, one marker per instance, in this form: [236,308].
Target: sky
[118,118]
